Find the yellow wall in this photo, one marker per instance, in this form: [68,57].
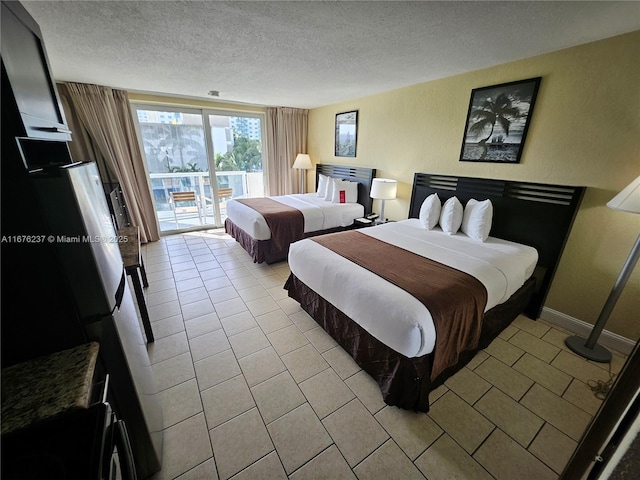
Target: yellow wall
[585,130]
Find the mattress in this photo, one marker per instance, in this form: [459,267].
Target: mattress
[389,313]
[319,214]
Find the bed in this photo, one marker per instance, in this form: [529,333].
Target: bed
[373,300]
[252,224]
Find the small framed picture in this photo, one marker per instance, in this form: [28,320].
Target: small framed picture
[346,134]
[498,120]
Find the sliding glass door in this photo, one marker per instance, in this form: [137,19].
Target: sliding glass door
[197,160]
[236,143]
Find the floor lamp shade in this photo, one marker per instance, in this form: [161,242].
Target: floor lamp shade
[302,163]
[628,200]
[383,189]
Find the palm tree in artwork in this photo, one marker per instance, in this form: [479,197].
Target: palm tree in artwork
[490,113]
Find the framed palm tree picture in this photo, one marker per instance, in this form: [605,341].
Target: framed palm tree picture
[498,120]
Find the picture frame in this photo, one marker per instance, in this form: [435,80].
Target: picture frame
[498,120]
[346,134]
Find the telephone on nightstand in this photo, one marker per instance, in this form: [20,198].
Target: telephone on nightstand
[372,216]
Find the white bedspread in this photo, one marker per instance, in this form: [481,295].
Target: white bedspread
[319,214]
[389,313]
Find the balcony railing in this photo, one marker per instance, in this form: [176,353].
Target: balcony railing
[243,184]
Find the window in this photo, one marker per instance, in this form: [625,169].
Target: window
[180,157]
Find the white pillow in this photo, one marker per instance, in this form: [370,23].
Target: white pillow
[451,216]
[330,186]
[345,191]
[323,181]
[476,222]
[430,211]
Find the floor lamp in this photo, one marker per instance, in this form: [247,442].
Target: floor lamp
[383,189]
[628,200]
[303,163]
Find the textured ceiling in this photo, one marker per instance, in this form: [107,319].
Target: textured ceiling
[306,54]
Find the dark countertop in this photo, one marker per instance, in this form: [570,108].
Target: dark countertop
[47,386]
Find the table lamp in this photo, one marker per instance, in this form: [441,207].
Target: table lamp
[628,200]
[302,162]
[383,189]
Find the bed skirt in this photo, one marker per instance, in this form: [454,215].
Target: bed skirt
[404,382]
[262,250]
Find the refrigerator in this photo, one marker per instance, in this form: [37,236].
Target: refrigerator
[77,224]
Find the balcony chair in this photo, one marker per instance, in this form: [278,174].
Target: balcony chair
[186,204]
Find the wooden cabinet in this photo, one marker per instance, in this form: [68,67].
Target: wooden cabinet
[26,77]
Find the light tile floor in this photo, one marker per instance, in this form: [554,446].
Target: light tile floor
[252,388]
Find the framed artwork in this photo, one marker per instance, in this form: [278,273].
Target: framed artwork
[346,134]
[498,120]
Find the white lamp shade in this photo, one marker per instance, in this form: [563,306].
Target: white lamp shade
[303,162]
[384,189]
[628,200]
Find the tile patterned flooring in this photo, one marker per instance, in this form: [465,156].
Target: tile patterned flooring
[252,388]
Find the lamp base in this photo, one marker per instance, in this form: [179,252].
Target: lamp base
[579,345]
[303,182]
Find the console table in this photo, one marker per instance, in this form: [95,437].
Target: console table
[129,243]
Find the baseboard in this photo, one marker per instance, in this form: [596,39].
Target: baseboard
[607,339]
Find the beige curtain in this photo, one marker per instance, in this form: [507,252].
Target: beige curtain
[105,115]
[81,147]
[286,138]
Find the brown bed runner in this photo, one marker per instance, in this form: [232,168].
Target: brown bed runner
[286,223]
[455,299]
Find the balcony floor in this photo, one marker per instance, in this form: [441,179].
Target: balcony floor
[167,221]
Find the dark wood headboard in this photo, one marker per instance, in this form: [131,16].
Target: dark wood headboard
[364,176]
[534,214]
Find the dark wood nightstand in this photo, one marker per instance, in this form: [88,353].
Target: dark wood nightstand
[363,222]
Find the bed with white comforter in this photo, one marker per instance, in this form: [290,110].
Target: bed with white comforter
[319,214]
[391,334]
[389,313]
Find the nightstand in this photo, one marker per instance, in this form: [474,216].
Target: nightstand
[362,222]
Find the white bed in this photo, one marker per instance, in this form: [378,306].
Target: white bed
[250,229]
[319,214]
[388,332]
[389,313]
